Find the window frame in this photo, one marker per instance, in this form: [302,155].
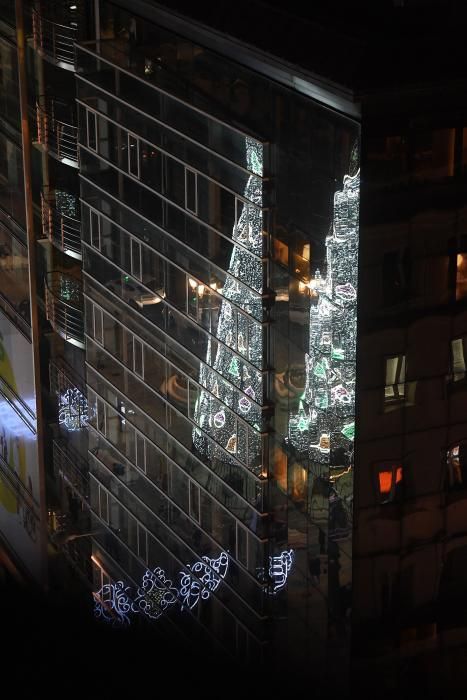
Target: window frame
[395,467]
[131,137]
[195,177]
[95,116]
[400,379]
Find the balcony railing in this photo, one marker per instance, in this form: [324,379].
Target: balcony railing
[72,468]
[55,41]
[60,221]
[56,130]
[64,306]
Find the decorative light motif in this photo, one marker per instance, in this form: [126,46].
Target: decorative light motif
[209,573]
[233,368]
[155,594]
[69,289]
[72,409]
[232,444]
[66,203]
[237,330]
[346,292]
[241,344]
[244,405]
[114,601]
[279,569]
[349,431]
[219,419]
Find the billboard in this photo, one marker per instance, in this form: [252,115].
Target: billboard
[19,467]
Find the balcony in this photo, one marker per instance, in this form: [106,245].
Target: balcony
[64,306]
[71,468]
[56,130]
[55,39]
[61,222]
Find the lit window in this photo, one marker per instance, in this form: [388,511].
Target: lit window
[461,276]
[456,460]
[458,359]
[389,481]
[395,378]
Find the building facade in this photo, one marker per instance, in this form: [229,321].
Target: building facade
[195,224]
[409,541]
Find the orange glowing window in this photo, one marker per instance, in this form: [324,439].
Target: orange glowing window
[389,476]
[385,482]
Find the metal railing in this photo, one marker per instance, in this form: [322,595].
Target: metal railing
[56,130]
[72,468]
[58,225]
[64,306]
[55,41]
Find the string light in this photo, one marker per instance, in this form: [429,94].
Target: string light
[114,602]
[72,409]
[279,569]
[239,332]
[280,566]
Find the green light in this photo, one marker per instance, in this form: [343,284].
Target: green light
[349,431]
[320,369]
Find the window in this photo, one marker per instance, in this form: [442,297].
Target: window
[458,359]
[142,543]
[432,154]
[104,505]
[194,502]
[461,276]
[191,191]
[387,159]
[95,226]
[98,324]
[242,545]
[136,258]
[395,379]
[396,277]
[138,357]
[92,130]
[151,166]
[389,477]
[101,417]
[140,452]
[456,474]
[133,156]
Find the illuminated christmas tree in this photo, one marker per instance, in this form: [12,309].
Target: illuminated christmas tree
[323,429]
[237,354]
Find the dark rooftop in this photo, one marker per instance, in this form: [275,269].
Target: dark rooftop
[363,45]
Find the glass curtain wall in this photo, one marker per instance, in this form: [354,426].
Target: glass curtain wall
[220,236]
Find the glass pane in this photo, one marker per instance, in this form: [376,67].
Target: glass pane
[133,156]
[136,259]
[92,127]
[194,501]
[191,198]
